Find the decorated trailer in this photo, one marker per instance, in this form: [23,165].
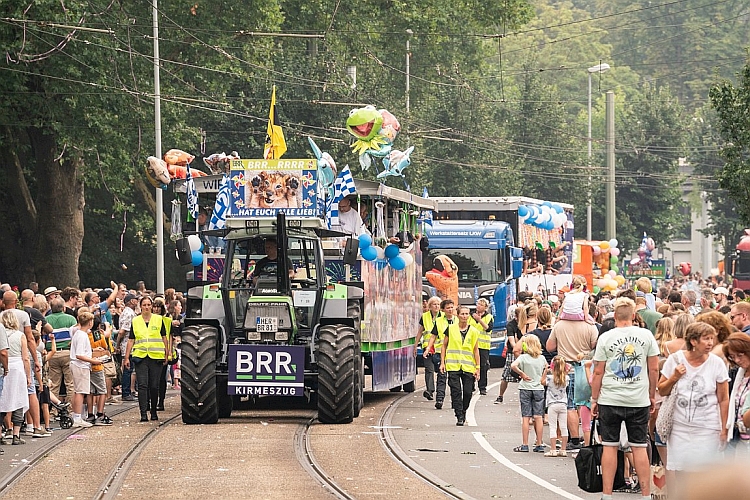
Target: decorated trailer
[290,307]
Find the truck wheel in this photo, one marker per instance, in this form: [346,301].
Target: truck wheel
[410,386]
[198,393]
[336,374]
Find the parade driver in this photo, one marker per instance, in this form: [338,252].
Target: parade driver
[268,264]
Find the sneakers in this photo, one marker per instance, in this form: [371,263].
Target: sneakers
[573,446]
[27,429]
[438,405]
[499,400]
[91,419]
[40,433]
[539,448]
[460,421]
[129,397]
[17,440]
[427,395]
[482,392]
[160,407]
[154,416]
[144,417]
[103,420]
[81,423]
[64,405]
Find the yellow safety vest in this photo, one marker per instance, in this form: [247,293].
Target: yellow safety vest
[442,327]
[460,353]
[485,338]
[148,341]
[428,323]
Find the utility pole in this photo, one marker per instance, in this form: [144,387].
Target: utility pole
[611,226]
[159,215]
[409,33]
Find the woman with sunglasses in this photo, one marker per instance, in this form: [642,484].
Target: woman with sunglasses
[737,351]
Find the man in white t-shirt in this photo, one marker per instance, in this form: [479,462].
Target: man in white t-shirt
[349,220]
[626,370]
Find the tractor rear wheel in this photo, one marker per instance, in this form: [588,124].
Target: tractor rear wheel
[198,392]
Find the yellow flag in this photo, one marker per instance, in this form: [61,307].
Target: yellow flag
[275,142]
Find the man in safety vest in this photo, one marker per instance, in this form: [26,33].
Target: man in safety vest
[431,359]
[439,329]
[482,320]
[461,361]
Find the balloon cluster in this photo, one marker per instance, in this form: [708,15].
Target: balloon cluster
[390,256]
[545,216]
[607,255]
[196,250]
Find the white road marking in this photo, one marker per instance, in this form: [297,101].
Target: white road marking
[470,420]
[520,470]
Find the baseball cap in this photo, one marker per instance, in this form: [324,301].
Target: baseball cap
[129,297]
[553,299]
[50,290]
[721,289]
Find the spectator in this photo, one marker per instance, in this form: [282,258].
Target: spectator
[51,292]
[71,296]
[515,329]
[14,400]
[689,299]
[149,355]
[97,395]
[531,367]
[740,316]
[555,379]
[59,364]
[126,319]
[81,360]
[649,316]
[622,390]
[721,294]
[722,327]
[699,381]
[737,350]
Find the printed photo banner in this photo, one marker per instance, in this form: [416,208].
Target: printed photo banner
[262,188]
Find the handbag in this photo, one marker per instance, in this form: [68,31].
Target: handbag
[666,414]
[589,465]
[581,388]
[658,475]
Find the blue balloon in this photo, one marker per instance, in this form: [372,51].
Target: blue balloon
[549,225]
[197,258]
[398,263]
[547,204]
[381,264]
[365,240]
[523,211]
[369,253]
[391,251]
[557,208]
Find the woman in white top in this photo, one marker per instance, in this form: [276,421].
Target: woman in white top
[700,382]
[14,399]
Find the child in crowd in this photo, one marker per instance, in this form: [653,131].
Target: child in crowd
[556,380]
[80,365]
[530,366]
[576,302]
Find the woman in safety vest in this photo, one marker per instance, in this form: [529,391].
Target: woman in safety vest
[461,361]
[147,342]
[431,359]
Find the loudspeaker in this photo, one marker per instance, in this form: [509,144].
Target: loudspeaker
[350,251]
[184,255]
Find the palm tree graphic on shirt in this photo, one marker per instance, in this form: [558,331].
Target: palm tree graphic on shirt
[627,362]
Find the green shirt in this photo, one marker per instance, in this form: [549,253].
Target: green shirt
[533,367]
[650,318]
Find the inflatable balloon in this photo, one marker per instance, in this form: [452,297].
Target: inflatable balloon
[597,289]
[381,253]
[179,172]
[196,258]
[615,252]
[650,245]
[220,163]
[620,279]
[195,243]
[381,264]
[604,245]
[326,167]
[178,157]
[685,268]
[444,277]
[613,243]
[391,251]
[615,269]
[612,274]
[396,162]
[390,127]
[365,240]
[397,263]
[408,259]
[614,259]
[368,253]
[523,211]
[365,124]
[157,172]
[596,250]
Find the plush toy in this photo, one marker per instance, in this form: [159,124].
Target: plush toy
[178,157]
[444,277]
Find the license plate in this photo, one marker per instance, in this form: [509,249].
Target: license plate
[265,324]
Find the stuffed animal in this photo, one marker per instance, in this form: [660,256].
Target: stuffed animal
[444,277]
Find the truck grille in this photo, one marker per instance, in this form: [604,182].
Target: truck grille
[272,310]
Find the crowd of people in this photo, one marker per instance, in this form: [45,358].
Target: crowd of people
[617,358]
[79,350]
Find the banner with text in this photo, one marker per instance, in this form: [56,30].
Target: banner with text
[266,370]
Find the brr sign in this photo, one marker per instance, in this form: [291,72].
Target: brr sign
[266,370]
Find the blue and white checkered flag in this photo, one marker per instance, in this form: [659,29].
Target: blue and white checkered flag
[221,207]
[343,186]
[426,215]
[192,194]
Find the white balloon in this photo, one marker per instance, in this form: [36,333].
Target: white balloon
[407,258]
[195,242]
[381,253]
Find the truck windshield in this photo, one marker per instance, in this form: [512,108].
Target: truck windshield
[742,267]
[474,264]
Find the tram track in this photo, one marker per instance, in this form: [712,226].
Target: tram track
[303,450]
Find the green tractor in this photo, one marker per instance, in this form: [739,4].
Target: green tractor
[274,326]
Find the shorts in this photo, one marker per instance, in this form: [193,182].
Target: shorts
[98,383]
[44,395]
[571,390]
[508,374]
[532,403]
[81,379]
[636,423]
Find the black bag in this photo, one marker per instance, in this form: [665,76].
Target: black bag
[589,466]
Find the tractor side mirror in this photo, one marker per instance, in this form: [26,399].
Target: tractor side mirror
[350,251]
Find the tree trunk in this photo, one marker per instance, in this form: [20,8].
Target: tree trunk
[59,206]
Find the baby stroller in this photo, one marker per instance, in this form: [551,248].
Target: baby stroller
[63,414]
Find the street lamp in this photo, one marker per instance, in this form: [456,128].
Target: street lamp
[599,68]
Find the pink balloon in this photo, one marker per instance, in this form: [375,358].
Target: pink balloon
[614,252]
[597,250]
[612,274]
